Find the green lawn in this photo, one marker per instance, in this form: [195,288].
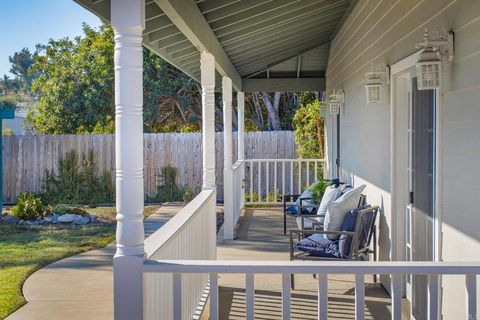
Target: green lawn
[25,249]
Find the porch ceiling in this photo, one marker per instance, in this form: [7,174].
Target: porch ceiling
[259,44]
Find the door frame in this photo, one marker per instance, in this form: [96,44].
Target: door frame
[399,72]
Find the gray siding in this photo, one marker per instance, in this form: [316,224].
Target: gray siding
[386,32]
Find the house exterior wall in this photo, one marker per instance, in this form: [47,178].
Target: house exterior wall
[386,32]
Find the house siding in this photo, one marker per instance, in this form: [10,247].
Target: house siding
[386,32]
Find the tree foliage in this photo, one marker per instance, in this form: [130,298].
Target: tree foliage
[75,83]
[21,62]
[309,128]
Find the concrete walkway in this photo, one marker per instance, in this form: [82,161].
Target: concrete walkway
[79,287]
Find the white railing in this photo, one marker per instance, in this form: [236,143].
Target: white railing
[182,269]
[238,191]
[267,180]
[190,234]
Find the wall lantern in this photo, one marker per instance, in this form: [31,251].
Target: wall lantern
[376,78]
[336,100]
[429,64]
[323,110]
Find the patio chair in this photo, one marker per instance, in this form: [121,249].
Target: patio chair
[298,205]
[353,243]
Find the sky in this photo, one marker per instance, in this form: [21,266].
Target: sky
[24,23]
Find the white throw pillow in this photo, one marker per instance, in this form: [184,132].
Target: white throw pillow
[331,194]
[337,210]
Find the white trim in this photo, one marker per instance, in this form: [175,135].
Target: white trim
[399,68]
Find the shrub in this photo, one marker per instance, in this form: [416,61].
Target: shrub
[62,209]
[29,207]
[168,189]
[309,128]
[78,182]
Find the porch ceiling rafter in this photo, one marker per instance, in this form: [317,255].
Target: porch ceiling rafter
[189,20]
[283,84]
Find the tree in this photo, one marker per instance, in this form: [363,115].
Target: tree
[74,84]
[20,66]
[309,128]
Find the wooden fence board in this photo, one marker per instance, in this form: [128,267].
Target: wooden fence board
[25,158]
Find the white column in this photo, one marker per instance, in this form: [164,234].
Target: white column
[127,18]
[241,137]
[241,125]
[207,69]
[228,187]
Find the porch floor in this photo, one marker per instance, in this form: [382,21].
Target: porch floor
[260,237]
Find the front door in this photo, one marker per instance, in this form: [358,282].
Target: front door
[421,168]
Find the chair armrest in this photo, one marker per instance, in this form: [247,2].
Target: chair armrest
[289,198]
[339,233]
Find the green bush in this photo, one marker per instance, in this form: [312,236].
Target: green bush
[309,128]
[62,209]
[168,189]
[29,207]
[78,182]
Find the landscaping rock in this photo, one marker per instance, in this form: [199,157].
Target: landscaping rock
[67,218]
[93,219]
[52,218]
[9,220]
[81,220]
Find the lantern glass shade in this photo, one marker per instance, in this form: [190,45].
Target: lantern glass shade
[429,75]
[323,111]
[334,107]
[374,93]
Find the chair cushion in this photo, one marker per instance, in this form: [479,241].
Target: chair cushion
[306,194]
[318,246]
[349,223]
[331,194]
[337,210]
[293,209]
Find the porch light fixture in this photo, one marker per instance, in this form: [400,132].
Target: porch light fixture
[429,64]
[336,100]
[376,78]
[323,110]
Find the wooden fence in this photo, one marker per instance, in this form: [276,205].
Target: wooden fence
[25,158]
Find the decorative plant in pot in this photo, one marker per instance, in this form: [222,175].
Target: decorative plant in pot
[318,189]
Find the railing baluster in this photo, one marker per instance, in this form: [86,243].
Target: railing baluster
[286,295]
[471,295]
[177,296]
[433,296]
[299,176]
[250,296]
[259,182]
[213,296]
[291,177]
[251,181]
[308,173]
[323,296]
[267,180]
[275,181]
[396,297]
[283,177]
[359,296]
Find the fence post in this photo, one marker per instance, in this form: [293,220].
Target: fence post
[127,19]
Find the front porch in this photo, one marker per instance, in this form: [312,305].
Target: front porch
[260,236]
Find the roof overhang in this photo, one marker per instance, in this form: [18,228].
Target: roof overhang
[265,44]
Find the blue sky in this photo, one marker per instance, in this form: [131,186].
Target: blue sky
[24,23]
